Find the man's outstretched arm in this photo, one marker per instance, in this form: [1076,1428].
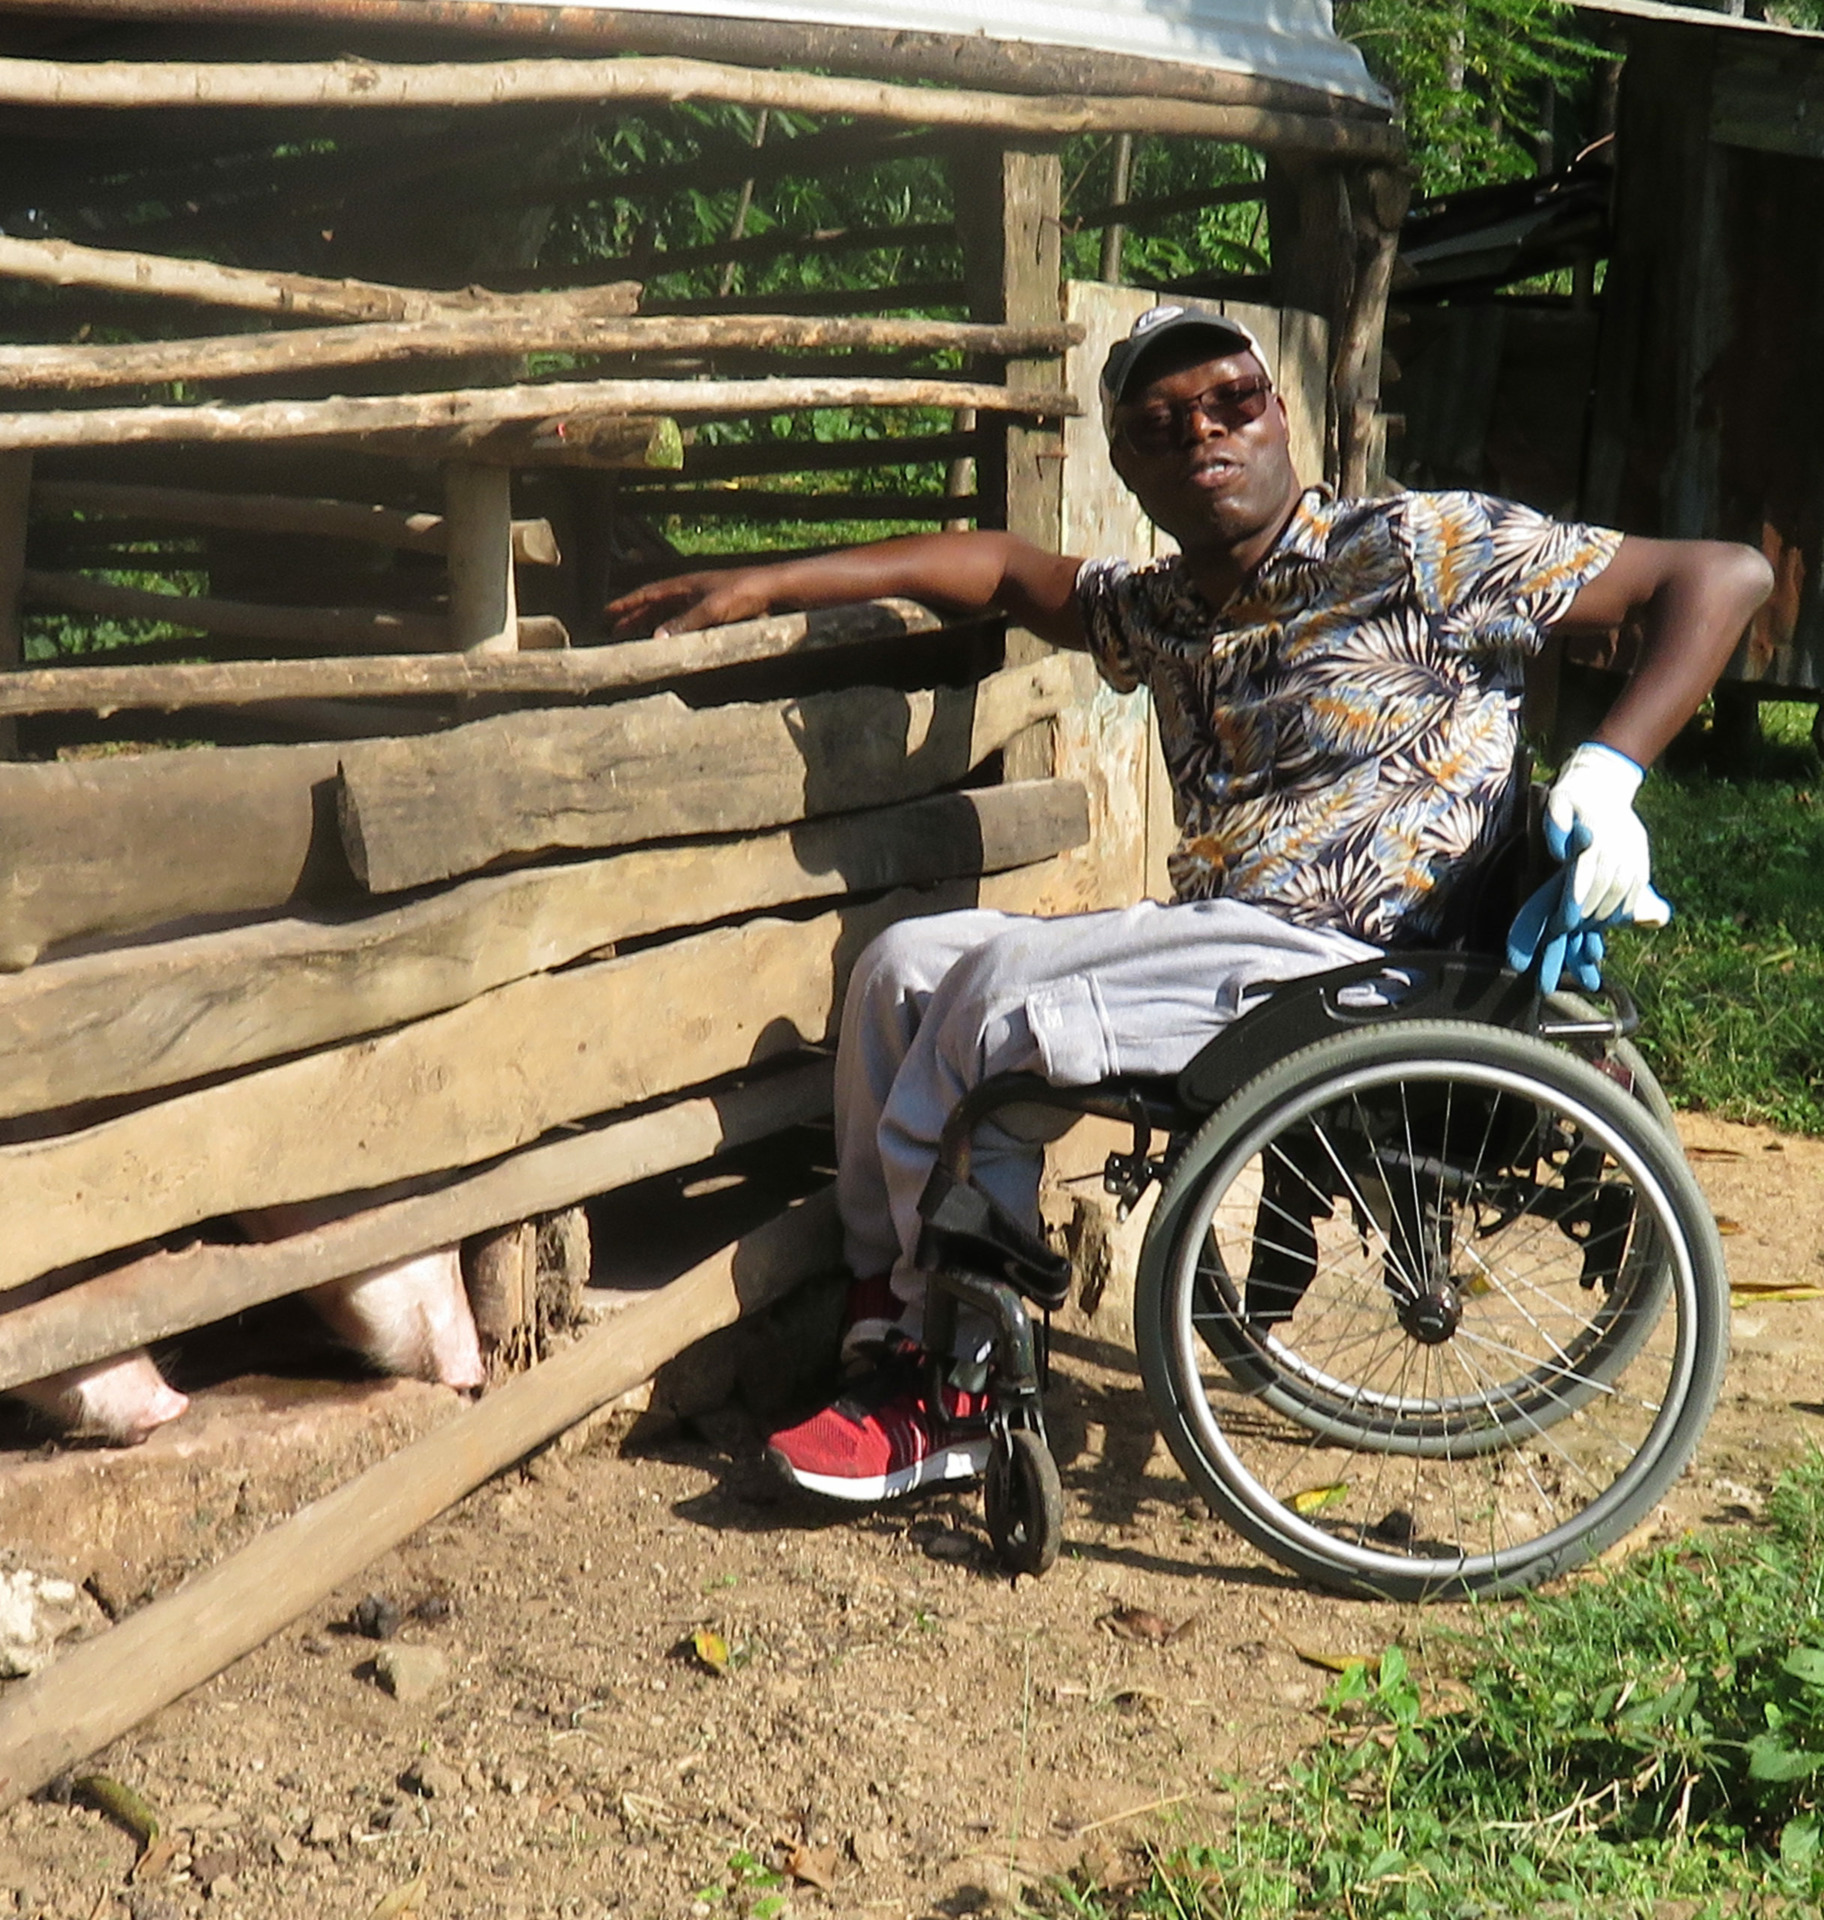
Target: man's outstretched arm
[955,572]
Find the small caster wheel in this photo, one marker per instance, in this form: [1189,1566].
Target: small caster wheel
[1025,1503]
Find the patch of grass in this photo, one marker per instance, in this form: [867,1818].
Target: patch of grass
[1732,993]
[1650,1734]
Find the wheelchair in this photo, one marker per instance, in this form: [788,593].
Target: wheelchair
[1429,1304]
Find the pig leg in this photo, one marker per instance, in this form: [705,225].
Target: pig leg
[411,1318]
[121,1401]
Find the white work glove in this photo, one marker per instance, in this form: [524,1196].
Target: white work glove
[1611,880]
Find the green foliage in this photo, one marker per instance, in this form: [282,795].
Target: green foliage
[1471,76]
[1652,1734]
[1732,992]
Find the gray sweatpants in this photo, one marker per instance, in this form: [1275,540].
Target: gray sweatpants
[938,1004]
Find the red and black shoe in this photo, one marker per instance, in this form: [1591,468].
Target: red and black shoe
[883,1438]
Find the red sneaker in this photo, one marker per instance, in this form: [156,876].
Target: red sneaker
[880,1440]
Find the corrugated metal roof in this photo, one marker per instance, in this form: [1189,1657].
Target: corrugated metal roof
[1290,40]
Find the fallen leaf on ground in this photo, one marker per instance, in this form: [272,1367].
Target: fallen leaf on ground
[155,1862]
[1331,1662]
[1751,1294]
[1725,1225]
[812,1866]
[401,1901]
[1136,1623]
[1310,1500]
[710,1648]
[1715,1153]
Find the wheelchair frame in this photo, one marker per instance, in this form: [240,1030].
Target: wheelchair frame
[1495,1185]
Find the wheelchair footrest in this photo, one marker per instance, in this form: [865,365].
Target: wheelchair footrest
[965,1229]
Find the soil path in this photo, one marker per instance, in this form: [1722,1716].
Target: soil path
[898,1724]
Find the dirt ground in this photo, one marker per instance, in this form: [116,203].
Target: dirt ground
[897,1731]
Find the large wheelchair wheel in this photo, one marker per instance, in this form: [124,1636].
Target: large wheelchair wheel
[1432,1308]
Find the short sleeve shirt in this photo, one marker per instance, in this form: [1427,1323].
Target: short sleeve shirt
[1341,736]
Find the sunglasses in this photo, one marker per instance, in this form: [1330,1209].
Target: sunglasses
[1161,428]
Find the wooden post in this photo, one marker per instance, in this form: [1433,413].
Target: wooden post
[1313,250]
[15,497]
[1377,202]
[499,1270]
[1114,233]
[1009,204]
[478,516]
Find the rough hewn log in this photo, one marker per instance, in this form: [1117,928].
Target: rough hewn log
[622,442]
[107,1685]
[351,628]
[341,419]
[64,263]
[414,811]
[369,84]
[169,1293]
[484,596]
[483,1079]
[240,355]
[116,845]
[175,1011]
[534,544]
[78,688]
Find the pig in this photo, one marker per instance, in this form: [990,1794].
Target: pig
[122,1401]
[411,1318]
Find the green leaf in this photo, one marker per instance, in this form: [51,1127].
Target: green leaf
[1806,1664]
[1772,1760]
[1799,1843]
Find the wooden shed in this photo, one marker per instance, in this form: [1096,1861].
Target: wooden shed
[1671,384]
[345,863]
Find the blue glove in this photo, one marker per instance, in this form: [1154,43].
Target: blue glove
[1551,933]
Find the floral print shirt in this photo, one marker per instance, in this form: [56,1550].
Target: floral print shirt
[1342,735]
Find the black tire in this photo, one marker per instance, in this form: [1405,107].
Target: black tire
[1024,1499]
[1489,1350]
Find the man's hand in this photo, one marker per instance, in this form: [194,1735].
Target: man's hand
[691,601]
[1590,820]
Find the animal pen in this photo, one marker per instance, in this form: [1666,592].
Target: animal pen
[347,862]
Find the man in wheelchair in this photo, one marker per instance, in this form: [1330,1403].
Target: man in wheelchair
[1337,684]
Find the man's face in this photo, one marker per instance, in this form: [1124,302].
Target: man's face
[1210,478]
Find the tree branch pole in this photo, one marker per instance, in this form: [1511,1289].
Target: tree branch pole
[218,357]
[534,544]
[572,672]
[104,1687]
[487,406]
[443,86]
[65,263]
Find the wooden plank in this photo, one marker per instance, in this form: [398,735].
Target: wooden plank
[352,628]
[104,1686]
[414,811]
[534,544]
[364,84]
[566,324]
[170,1293]
[159,1015]
[364,414]
[115,845]
[77,687]
[64,263]
[483,1079]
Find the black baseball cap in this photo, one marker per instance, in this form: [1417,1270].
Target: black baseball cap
[1156,324]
